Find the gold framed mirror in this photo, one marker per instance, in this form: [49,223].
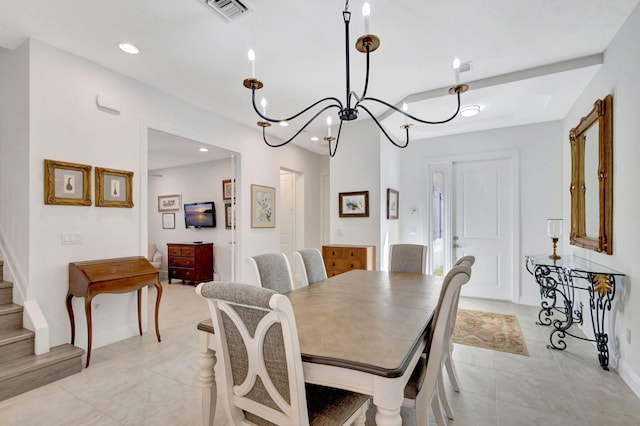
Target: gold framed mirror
[591,179]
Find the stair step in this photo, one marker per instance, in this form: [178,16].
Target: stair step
[10,317]
[15,344]
[30,372]
[6,292]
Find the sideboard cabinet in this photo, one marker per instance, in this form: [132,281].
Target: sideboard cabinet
[190,261]
[339,258]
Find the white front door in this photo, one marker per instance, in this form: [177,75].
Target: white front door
[483,219]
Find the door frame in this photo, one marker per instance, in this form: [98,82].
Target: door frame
[446,164]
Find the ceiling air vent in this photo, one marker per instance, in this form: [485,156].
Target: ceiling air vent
[229,10]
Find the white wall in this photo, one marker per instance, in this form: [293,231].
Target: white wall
[195,183]
[14,181]
[539,148]
[65,125]
[356,167]
[619,77]
[389,178]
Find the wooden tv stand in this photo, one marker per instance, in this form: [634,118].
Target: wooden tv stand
[190,262]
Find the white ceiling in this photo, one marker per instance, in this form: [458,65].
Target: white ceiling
[530,58]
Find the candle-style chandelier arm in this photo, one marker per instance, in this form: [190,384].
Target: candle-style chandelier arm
[411,116]
[366,82]
[275,120]
[329,139]
[382,129]
[276,145]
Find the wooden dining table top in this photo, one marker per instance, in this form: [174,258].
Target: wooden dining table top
[369,321]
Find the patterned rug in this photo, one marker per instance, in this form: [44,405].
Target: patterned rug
[490,330]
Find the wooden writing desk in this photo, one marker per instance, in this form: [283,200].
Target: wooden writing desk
[362,330]
[122,275]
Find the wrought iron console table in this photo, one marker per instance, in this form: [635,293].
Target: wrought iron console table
[559,280]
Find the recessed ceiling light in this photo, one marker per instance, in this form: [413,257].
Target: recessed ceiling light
[129,48]
[469,110]
[203,149]
[315,139]
[284,123]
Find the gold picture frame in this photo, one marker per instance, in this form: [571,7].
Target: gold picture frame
[263,206]
[67,184]
[114,188]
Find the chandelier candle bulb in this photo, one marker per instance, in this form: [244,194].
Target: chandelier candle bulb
[456,69]
[366,11]
[263,103]
[252,61]
[405,108]
[329,126]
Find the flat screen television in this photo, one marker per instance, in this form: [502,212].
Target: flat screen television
[200,215]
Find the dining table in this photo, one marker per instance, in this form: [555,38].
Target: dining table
[362,331]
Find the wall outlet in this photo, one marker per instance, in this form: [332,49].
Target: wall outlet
[628,335]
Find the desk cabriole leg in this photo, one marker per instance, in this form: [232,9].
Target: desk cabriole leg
[71,318]
[87,311]
[158,297]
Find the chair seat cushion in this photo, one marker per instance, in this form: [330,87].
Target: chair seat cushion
[417,377]
[329,406]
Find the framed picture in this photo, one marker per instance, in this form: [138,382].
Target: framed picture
[67,183]
[392,203]
[229,217]
[263,206]
[114,188]
[354,204]
[169,203]
[228,188]
[168,221]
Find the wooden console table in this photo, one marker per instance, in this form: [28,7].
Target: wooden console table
[122,275]
[559,280]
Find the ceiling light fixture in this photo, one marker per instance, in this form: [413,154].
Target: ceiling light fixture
[366,43]
[129,48]
[203,149]
[470,110]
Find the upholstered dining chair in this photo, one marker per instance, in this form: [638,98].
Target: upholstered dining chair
[311,265]
[272,271]
[408,258]
[448,356]
[423,389]
[260,371]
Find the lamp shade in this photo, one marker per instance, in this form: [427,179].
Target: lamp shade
[554,228]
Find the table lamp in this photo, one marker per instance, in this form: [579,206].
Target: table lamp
[554,231]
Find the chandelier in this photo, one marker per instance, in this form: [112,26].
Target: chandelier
[366,43]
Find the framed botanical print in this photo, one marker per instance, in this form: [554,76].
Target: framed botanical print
[67,183]
[354,204]
[229,216]
[263,206]
[169,203]
[392,203]
[228,188]
[114,188]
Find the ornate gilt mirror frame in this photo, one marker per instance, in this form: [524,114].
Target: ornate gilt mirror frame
[591,184]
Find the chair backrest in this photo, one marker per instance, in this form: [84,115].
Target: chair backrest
[468,260]
[273,271]
[258,353]
[408,258]
[453,315]
[311,265]
[453,309]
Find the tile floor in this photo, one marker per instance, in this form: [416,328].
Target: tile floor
[142,382]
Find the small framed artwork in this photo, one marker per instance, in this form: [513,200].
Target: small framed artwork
[229,217]
[354,204]
[392,203]
[228,188]
[169,203]
[168,221]
[67,183]
[114,188]
[263,206]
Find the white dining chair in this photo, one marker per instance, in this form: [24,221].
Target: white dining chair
[422,390]
[311,265]
[272,271]
[260,366]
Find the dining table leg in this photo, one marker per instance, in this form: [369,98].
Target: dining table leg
[388,395]
[207,381]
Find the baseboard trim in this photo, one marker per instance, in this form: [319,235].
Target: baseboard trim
[629,377]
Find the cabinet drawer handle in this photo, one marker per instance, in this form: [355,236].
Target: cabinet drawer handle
[333,263]
[352,266]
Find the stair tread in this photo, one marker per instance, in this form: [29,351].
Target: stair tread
[12,336]
[33,362]
[10,308]
[5,284]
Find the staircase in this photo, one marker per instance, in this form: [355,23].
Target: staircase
[20,369]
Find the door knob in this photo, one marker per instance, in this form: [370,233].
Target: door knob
[457,246]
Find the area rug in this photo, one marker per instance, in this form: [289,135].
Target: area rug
[490,331]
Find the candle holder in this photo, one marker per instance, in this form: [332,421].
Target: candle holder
[554,231]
